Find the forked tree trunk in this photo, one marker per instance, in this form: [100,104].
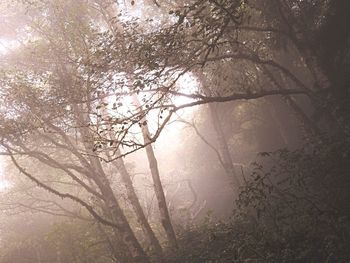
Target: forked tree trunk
[134,252]
[135,203]
[111,12]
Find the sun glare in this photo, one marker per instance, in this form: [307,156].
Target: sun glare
[6,45]
[186,84]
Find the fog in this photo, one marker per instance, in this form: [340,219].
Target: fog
[174,131]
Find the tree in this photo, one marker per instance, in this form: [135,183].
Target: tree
[65,107]
[38,133]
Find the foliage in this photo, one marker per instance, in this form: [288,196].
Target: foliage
[293,208]
[64,110]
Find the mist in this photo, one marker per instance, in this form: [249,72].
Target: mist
[174,131]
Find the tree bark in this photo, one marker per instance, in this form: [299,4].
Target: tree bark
[123,228]
[158,188]
[222,143]
[163,209]
[135,203]
[135,252]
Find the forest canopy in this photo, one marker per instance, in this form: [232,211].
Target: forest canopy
[174,131]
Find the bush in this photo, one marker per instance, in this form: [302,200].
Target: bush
[293,207]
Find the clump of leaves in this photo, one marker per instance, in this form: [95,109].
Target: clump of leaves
[292,208]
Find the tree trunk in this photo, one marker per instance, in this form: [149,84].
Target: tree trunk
[309,126]
[222,143]
[111,12]
[158,188]
[134,200]
[223,146]
[279,112]
[135,203]
[135,252]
